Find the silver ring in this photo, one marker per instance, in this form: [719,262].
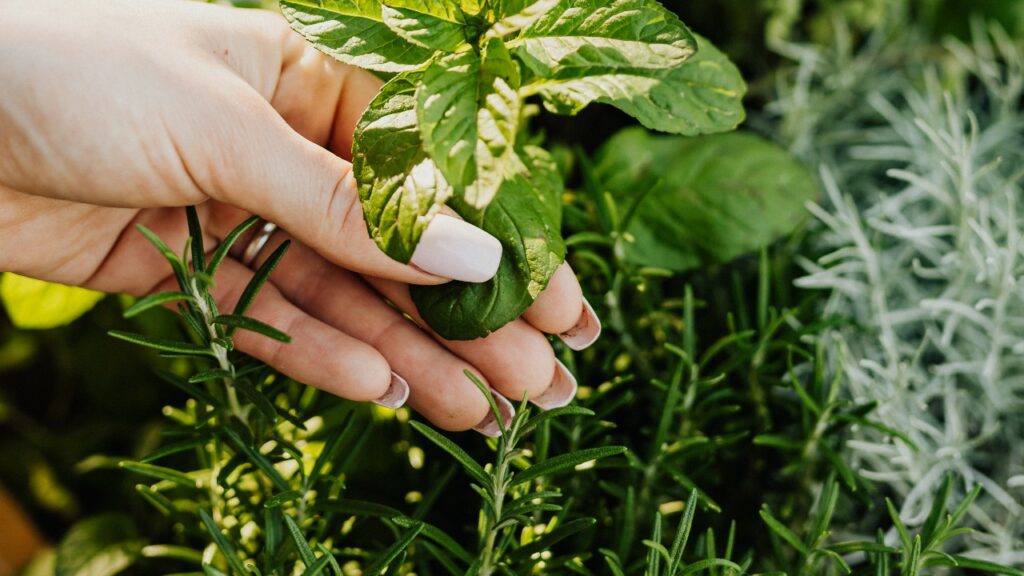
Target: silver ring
[258,242]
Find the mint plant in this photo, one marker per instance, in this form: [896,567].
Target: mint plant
[450,126]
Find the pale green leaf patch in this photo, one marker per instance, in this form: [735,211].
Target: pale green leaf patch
[426,23]
[400,187]
[468,115]
[702,96]
[354,32]
[586,37]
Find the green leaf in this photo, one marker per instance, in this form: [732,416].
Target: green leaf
[195,233]
[985,566]
[551,538]
[714,198]
[546,415]
[526,217]
[587,37]
[162,345]
[172,448]
[354,32]
[318,566]
[862,546]
[207,375]
[160,473]
[472,467]
[305,552]
[938,510]
[566,461]
[683,533]
[162,503]
[154,300]
[519,14]
[222,542]
[901,528]
[778,441]
[388,556]
[399,186]
[779,528]
[172,552]
[252,325]
[35,304]
[326,552]
[257,399]
[222,250]
[702,96]
[426,23]
[468,115]
[710,563]
[358,508]
[99,545]
[438,536]
[209,570]
[259,279]
[258,459]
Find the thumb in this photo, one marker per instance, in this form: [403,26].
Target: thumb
[272,171]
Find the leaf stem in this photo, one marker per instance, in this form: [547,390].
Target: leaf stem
[219,351]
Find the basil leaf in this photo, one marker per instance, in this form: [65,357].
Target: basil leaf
[708,199]
[702,96]
[519,14]
[587,37]
[526,217]
[468,116]
[354,32]
[426,23]
[400,188]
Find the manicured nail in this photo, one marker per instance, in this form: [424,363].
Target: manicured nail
[489,425]
[458,250]
[562,390]
[585,332]
[397,394]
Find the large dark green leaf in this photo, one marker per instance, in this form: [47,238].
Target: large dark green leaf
[400,187]
[526,217]
[708,199]
[354,32]
[704,95]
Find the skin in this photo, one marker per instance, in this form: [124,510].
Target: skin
[118,112]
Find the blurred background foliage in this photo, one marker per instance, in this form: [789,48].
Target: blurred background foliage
[738,432]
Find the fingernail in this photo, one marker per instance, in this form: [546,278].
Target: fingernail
[489,425]
[458,250]
[585,332]
[562,389]
[397,394]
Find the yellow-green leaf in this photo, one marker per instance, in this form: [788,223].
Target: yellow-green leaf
[36,304]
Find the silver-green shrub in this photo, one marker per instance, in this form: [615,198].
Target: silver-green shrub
[918,242]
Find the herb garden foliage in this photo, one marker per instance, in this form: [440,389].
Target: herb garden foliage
[753,444]
[920,246]
[264,485]
[449,126]
[271,465]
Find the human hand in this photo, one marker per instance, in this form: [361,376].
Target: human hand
[117,112]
